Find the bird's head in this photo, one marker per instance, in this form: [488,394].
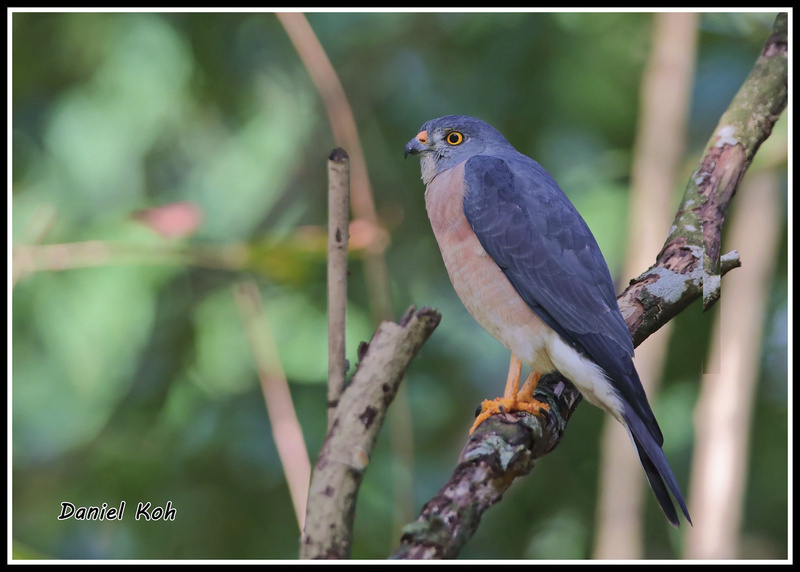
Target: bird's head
[445,142]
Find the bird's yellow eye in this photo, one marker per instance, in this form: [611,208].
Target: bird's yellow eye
[454,138]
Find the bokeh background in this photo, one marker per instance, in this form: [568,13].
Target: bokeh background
[160,159]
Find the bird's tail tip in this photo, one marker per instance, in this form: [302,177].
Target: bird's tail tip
[658,472]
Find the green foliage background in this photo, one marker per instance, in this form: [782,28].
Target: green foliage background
[136,383]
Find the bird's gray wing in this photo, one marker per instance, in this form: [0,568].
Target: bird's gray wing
[530,229]
[528,226]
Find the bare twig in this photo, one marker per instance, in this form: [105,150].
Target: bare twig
[359,416]
[286,430]
[345,133]
[28,259]
[499,450]
[267,255]
[338,211]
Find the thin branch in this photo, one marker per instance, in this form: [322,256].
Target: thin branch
[338,237]
[267,256]
[345,133]
[286,430]
[359,416]
[28,259]
[504,448]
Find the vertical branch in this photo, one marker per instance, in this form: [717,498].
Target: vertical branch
[659,146]
[286,430]
[345,133]
[338,209]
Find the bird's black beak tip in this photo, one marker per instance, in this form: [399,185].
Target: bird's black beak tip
[414,147]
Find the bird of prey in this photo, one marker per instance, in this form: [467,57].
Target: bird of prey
[529,270]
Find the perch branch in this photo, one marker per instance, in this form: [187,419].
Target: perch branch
[505,447]
[695,234]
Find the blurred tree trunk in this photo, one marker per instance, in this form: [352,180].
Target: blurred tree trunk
[659,148]
[724,411]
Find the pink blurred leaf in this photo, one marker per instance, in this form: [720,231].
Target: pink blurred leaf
[172,220]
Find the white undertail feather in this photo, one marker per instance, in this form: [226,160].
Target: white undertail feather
[588,377]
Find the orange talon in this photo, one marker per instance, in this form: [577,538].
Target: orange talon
[513,399]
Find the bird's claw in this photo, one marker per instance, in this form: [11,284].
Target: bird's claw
[505,406]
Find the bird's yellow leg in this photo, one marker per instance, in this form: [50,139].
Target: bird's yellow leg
[526,393]
[513,398]
[512,381]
